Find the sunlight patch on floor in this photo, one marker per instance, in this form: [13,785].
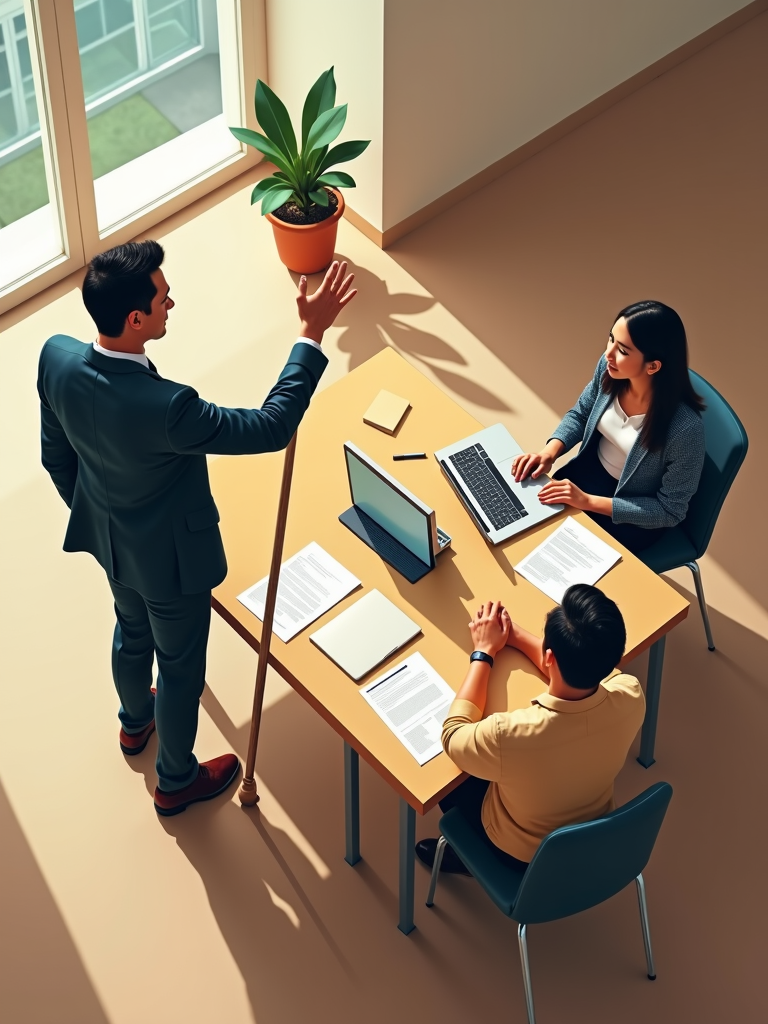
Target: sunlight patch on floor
[283,905]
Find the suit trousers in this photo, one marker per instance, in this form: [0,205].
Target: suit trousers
[176,633]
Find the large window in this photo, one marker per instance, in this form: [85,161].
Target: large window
[110,110]
[30,228]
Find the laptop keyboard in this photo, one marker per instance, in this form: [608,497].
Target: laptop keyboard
[488,487]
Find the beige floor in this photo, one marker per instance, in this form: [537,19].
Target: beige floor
[111,915]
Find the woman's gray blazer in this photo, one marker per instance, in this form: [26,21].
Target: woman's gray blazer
[654,487]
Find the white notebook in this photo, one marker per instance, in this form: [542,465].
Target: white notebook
[366,633]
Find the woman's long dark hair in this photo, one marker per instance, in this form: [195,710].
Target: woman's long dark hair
[657,331]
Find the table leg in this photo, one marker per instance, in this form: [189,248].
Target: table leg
[407,859]
[351,804]
[652,697]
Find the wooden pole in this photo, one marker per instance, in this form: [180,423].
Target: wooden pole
[248,794]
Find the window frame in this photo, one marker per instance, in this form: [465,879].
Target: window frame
[52,38]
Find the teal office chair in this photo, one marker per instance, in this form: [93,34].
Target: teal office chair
[726,445]
[575,868]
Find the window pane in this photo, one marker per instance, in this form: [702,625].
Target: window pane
[118,14]
[108,64]
[89,25]
[22,48]
[7,118]
[152,127]
[30,235]
[5,75]
[172,28]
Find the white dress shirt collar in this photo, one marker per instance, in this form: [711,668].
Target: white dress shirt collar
[136,357]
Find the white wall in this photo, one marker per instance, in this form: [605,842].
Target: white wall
[468,81]
[303,39]
[444,88]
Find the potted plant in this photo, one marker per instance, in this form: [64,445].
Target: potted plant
[301,199]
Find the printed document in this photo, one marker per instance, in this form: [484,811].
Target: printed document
[310,583]
[413,700]
[572,554]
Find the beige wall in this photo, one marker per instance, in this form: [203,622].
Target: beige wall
[303,40]
[467,83]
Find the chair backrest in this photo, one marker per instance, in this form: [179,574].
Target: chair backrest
[726,445]
[579,866]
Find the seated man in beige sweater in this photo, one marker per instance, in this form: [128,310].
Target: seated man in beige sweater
[553,763]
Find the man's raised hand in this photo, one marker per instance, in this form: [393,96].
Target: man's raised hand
[318,311]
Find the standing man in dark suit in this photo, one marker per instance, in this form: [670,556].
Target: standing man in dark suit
[126,450]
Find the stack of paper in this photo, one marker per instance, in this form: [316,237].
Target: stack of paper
[310,583]
[572,554]
[413,701]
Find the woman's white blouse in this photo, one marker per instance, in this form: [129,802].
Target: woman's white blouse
[619,433]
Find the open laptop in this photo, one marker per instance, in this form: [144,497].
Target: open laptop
[388,518]
[479,470]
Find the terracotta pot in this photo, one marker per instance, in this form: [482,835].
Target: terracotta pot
[307,248]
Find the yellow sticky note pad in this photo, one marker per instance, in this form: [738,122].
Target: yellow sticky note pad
[386,411]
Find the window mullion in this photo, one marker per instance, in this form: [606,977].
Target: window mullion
[80,202]
[142,42]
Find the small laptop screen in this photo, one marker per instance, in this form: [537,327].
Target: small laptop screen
[388,507]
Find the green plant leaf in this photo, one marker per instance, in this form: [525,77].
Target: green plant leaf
[341,153]
[314,160]
[320,197]
[326,128]
[275,120]
[265,185]
[337,179]
[274,198]
[269,149]
[321,97]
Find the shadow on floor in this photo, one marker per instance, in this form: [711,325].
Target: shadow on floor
[372,322]
[42,977]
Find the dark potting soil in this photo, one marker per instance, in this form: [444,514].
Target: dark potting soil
[291,214]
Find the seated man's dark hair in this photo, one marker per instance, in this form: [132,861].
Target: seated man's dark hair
[586,634]
[118,281]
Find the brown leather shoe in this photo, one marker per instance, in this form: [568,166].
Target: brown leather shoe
[134,742]
[213,777]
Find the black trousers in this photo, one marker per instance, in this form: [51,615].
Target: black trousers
[586,471]
[468,797]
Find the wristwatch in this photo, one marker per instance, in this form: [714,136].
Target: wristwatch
[481,656]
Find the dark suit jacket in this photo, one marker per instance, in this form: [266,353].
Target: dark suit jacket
[654,488]
[126,450]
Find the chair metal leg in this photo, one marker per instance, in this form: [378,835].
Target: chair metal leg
[442,842]
[523,943]
[694,567]
[351,804]
[646,929]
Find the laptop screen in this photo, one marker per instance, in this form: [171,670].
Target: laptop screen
[390,504]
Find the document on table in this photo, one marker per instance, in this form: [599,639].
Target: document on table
[413,700]
[310,583]
[572,554]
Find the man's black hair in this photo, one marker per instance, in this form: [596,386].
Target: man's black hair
[586,634]
[118,281]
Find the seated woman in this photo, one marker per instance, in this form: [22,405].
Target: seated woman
[641,432]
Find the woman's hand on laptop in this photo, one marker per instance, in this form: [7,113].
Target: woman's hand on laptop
[534,464]
[490,628]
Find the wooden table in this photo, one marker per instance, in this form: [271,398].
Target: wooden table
[246,491]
